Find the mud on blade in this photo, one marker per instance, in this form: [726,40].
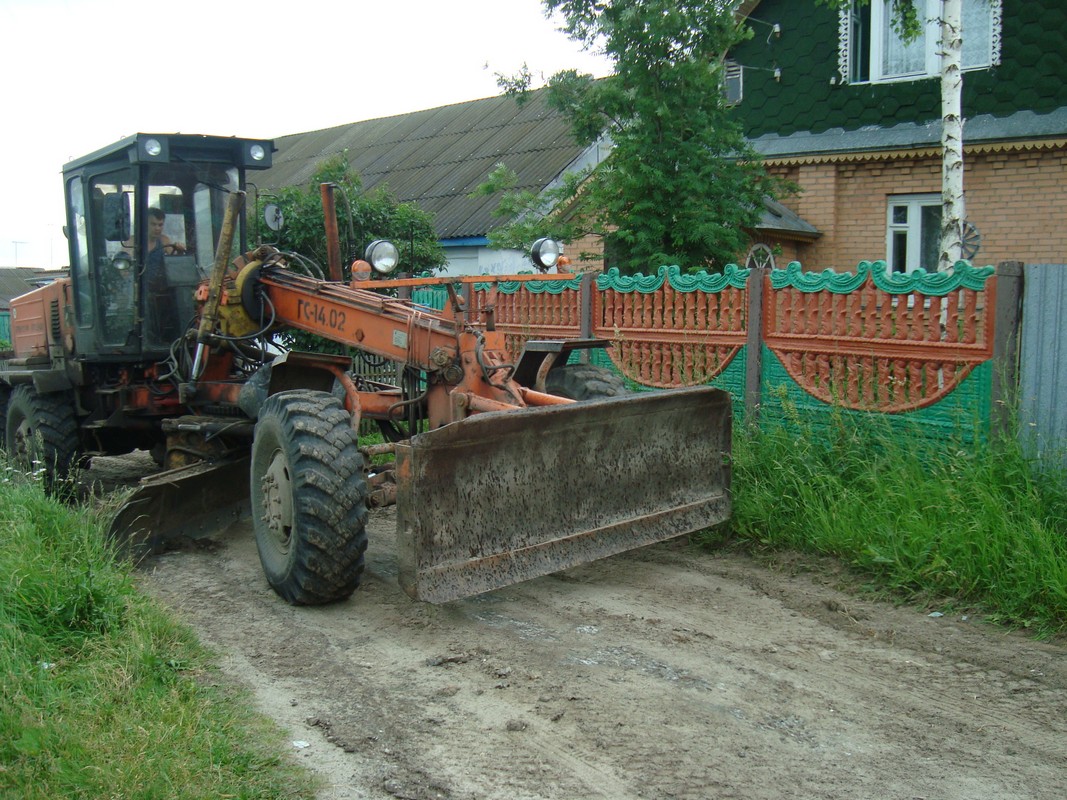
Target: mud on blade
[500,498]
[186,503]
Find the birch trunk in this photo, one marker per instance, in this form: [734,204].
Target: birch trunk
[952,204]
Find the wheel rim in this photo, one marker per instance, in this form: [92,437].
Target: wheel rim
[22,445]
[278,501]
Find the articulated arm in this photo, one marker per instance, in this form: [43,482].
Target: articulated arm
[467,369]
[384,326]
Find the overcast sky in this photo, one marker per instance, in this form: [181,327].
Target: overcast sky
[77,75]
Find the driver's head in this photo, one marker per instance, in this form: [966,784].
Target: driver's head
[156,218]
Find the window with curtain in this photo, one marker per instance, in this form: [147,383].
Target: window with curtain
[871,50]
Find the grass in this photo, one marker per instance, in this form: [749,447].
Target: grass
[103,695]
[972,525]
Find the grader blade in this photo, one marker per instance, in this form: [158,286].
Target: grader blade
[503,497]
[186,503]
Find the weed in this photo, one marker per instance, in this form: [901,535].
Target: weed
[970,521]
[103,694]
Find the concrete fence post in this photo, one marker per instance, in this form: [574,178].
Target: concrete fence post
[585,304]
[585,309]
[754,343]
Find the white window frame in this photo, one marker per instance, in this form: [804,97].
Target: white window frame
[912,227]
[931,37]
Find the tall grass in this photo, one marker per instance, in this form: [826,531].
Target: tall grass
[103,695]
[975,524]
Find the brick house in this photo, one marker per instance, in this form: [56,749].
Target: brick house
[837,104]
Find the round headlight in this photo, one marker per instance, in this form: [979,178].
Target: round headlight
[545,253]
[152,147]
[121,261]
[382,255]
[257,152]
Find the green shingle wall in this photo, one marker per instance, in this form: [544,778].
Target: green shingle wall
[1032,74]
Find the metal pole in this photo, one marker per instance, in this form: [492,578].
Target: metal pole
[333,242]
[209,316]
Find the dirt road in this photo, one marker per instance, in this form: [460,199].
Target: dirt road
[660,674]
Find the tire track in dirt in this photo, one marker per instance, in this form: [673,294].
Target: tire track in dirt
[659,674]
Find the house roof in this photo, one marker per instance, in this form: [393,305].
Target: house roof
[15,281]
[1023,127]
[437,157]
[780,220]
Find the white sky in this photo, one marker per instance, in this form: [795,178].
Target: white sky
[77,75]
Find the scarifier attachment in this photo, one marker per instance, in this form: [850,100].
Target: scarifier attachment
[186,503]
[502,497]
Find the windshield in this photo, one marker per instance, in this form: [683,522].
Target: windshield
[182,220]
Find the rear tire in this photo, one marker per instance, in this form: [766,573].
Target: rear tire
[41,432]
[309,498]
[584,382]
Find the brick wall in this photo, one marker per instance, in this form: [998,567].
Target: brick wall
[1017,199]
[591,243]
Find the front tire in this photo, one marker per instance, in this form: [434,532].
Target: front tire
[41,432]
[584,382]
[309,498]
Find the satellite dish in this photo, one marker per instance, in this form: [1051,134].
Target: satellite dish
[760,256]
[273,217]
[970,240]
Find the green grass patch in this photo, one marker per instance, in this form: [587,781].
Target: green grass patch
[103,694]
[959,522]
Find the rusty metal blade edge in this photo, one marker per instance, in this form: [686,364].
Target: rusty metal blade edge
[187,503]
[447,582]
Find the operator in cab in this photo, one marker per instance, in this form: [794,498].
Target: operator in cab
[160,301]
[159,244]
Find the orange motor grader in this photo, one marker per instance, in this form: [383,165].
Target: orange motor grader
[168,336]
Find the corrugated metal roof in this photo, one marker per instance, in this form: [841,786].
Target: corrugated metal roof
[15,281]
[437,157]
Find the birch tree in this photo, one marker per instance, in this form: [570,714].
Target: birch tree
[952,199]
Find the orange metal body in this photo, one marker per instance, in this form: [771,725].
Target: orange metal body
[37,320]
[414,336]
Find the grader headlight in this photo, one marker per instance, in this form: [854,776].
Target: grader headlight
[546,253]
[382,255]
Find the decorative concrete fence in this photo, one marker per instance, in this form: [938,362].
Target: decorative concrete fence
[920,347]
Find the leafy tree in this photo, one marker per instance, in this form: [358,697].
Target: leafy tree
[362,217]
[681,182]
